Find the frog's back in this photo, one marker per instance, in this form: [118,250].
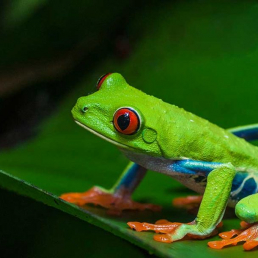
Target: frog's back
[192,137]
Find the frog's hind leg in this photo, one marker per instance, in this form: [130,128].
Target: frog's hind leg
[246,210]
[247,132]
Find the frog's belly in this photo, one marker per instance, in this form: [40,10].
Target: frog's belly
[196,183]
[244,183]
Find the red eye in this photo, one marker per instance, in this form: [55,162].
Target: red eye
[126,121]
[101,80]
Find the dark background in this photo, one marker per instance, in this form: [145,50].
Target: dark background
[48,47]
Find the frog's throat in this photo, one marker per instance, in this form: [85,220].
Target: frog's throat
[103,137]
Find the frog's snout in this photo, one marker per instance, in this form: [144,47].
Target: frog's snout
[74,112]
[81,105]
[80,108]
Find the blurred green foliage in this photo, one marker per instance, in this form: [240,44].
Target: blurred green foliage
[34,30]
[201,56]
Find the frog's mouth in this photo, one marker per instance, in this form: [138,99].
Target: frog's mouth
[103,137]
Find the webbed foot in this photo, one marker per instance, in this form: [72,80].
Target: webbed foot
[248,234]
[171,231]
[115,203]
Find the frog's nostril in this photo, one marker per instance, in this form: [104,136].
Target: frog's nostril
[84,109]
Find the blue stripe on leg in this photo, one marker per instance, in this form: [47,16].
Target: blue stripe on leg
[131,177]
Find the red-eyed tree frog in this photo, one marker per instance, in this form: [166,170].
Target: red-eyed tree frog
[219,164]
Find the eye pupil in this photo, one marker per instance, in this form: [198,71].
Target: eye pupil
[126,121]
[123,121]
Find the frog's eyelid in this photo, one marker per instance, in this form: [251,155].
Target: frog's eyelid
[101,80]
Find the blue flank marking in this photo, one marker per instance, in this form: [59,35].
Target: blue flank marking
[178,167]
[192,167]
[249,134]
[238,179]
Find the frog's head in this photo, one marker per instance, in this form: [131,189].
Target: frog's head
[121,115]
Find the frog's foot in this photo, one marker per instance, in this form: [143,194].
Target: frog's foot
[172,231]
[115,203]
[161,226]
[248,234]
[189,202]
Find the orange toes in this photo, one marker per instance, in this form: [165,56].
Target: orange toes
[245,225]
[114,202]
[188,202]
[220,225]
[230,234]
[225,242]
[138,226]
[249,236]
[149,206]
[75,198]
[161,226]
[94,195]
[217,244]
[162,221]
[250,244]
[164,238]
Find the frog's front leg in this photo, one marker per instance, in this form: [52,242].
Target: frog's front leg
[215,198]
[118,198]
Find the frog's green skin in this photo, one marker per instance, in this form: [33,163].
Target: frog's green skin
[181,145]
